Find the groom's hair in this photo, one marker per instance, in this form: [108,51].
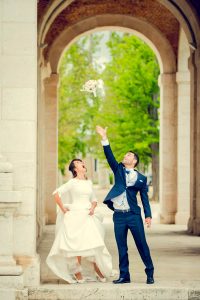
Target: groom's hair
[136,156]
[72,166]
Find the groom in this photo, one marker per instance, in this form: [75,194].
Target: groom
[127,214]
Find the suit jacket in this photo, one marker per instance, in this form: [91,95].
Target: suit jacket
[120,186]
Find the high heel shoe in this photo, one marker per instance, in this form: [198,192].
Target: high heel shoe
[100,278]
[79,280]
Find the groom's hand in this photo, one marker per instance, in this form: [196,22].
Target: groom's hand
[148,222]
[102,132]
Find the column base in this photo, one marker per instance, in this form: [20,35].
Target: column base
[11,275]
[194,226]
[7,260]
[14,294]
[11,270]
[181,218]
[167,218]
[31,268]
[11,281]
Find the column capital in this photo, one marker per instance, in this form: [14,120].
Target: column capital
[52,80]
[166,79]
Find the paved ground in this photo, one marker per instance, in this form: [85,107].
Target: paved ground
[176,257]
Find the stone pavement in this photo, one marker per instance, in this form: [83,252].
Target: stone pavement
[176,257]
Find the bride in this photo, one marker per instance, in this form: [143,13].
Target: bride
[79,232]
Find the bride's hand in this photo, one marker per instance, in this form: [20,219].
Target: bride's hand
[91,211]
[65,210]
[102,132]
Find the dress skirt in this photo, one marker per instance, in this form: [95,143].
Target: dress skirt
[78,234]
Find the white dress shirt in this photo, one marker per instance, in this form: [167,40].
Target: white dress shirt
[121,202]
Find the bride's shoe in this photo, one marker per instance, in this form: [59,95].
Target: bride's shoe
[79,280]
[100,278]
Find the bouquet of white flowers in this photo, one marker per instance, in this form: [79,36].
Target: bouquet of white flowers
[93,86]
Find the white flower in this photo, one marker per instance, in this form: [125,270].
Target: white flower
[91,86]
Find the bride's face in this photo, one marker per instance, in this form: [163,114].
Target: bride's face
[80,167]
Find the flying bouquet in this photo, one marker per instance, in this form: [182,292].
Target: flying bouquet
[93,87]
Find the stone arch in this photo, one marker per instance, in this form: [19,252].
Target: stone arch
[142,29]
[166,58]
[189,22]
[188,19]
[182,11]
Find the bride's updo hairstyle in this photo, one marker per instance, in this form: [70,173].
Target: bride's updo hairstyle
[72,167]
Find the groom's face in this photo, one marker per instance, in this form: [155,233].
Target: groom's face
[129,159]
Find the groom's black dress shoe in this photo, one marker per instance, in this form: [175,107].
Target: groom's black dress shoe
[150,280]
[122,280]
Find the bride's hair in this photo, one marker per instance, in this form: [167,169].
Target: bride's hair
[72,166]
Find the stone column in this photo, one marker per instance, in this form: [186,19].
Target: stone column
[168,148]
[18,123]
[183,148]
[50,154]
[103,176]
[11,273]
[194,66]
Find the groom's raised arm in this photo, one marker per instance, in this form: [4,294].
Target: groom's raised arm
[107,149]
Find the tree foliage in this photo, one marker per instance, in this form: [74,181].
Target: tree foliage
[76,109]
[129,108]
[131,104]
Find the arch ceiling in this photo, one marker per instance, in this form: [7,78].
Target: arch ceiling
[149,11]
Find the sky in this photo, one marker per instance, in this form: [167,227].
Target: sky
[102,56]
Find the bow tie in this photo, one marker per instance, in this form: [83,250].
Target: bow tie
[127,171]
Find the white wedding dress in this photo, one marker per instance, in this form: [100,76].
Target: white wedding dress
[78,233]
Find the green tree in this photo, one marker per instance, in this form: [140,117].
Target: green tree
[130,109]
[76,109]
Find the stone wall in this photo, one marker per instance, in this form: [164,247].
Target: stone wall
[18,124]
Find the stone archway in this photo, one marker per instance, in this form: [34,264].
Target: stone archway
[168,55]
[167,65]
[22,130]
[145,31]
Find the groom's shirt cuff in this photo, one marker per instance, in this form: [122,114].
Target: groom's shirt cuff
[105,142]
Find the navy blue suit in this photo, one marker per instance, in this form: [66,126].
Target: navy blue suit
[130,220]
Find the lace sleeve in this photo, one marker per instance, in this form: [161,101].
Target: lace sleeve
[63,189]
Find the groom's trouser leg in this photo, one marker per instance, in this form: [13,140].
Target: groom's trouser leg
[135,224]
[121,230]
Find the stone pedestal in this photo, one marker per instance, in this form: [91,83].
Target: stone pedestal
[168,148]
[11,274]
[9,201]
